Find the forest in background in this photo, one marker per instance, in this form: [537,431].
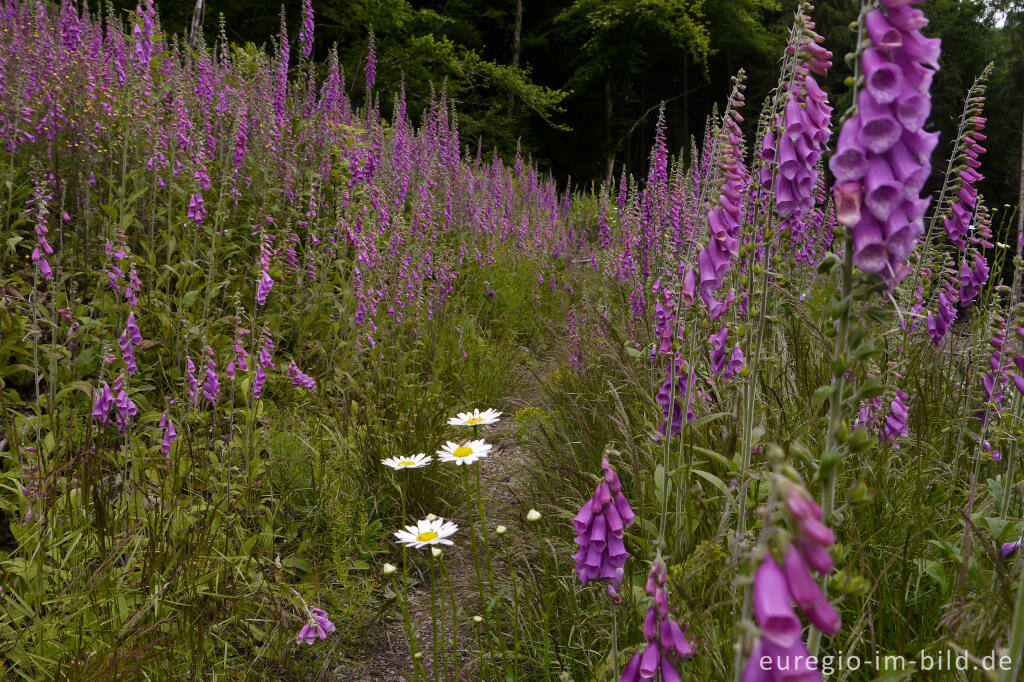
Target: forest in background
[581,86]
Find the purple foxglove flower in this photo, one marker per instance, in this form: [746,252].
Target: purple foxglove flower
[816,556]
[772,608]
[683,393]
[299,379]
[318,625]
[882,33]
[127,353]
[599,529]
[800,503]
[104,401]
[263,288]
[258,382]
[847,197]
[211,386]
[170,434]
[896,421]
[196,208]
[753,671]
[802,585]
[241,355]
[939,322]
[723,363]
[306,30]
[371,64]
[192,379]
[666,645]
[792,662]
[125,406]
[882,143]
[132,329]
[1018,382]
[822,615]
[1010,548]
[813,530]
[266,357]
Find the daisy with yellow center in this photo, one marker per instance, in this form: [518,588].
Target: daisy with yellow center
[427,532]
[409,462]
[466,453]
[475,418]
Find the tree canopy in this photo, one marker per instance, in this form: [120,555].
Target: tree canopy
[580,87]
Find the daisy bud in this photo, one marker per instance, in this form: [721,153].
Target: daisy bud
[533,516]
[388,569]
[418,655]
[501,530]
[478,619]
[436,552]
[431,517]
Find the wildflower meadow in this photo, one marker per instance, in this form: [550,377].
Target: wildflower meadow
[299,381]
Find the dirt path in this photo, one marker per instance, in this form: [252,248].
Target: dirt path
[386,657]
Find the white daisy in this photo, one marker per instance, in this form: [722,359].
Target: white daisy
[475,418]
[467,453]
[409,462]
[427,532]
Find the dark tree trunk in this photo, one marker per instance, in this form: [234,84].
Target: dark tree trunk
[609,148]
[1020,210]
[196,29]
[516,45]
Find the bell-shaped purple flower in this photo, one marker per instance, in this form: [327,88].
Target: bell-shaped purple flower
[104,401]
[599,526]
[299,379]
[772,607]
[170,433]
[667,645]
[882,154]
[318,626]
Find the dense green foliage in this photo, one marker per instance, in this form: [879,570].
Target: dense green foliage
[592,73]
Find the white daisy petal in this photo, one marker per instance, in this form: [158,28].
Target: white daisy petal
[410,462]
[475,418]
[466,453]
[427,532]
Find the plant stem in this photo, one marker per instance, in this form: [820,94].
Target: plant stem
[835,409]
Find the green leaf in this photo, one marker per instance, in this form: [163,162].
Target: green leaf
[821,394]
[715,481]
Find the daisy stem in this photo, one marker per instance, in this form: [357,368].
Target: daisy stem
[440,570]
[544,606]
[403,604]
[515,603]
[483,529]
[472,536]
[433,613]
[455,619]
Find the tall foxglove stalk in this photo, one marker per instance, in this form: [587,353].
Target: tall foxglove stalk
[955,211]
[881,164]
[306,30]
[793,546]
[798,127]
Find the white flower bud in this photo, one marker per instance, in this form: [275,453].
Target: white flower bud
[388,569]
[533,516]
